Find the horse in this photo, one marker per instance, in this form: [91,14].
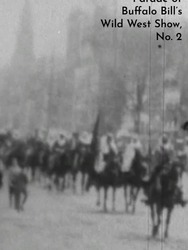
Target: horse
[110,176]
[163,193]
[32,155]
[133,180]
[58,166]
[78,161]
[83,164]
[44,160]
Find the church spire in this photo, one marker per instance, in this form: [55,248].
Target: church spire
[22,71]
[23,55]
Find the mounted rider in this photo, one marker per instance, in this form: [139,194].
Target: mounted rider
[181,154]
[110,153]
[84,150]
[59,145]
[163,153]
[111,149]
[165,162]
[75,149]
[129,153]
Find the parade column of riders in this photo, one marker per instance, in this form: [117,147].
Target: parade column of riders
[110,156]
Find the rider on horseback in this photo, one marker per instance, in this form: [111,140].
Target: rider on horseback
[164,152]
[75,149]
[110,154]
[59,145]
[164,164]
[129,153]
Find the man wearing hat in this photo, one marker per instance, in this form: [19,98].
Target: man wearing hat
[111,152]
[59,145]
[164,151]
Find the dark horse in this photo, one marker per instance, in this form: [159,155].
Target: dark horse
[113,177]
[32,155]
[84,163]
[58,166]
[79,161]
[110,176]
[163,193]
[133,180]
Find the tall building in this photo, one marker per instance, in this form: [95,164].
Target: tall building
[23,56]
[81,73]
[20,88]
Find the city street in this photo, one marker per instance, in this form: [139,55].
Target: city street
[68,221]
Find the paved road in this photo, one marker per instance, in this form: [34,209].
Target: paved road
[53,221]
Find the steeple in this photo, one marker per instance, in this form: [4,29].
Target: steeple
[21,72]
[23,54]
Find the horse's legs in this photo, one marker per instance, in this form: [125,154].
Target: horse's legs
[56,182]
[24,192]
[67,179]
[63,183]
[88,184]
[33,170]
[125,195]
[60,184]
[169,212]
[131,195]
[152,207]
[98,196]
[17,200]
[113,198]
[74,181]
[83,182]
[39,173]
[134,198]
[159,212]
[105,198]
[11,194]
[70,180]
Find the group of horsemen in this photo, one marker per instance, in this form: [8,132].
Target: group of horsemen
[159,161]
[112,155]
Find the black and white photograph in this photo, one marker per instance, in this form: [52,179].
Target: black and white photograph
[93,124]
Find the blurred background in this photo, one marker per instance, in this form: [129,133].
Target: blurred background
[59,68]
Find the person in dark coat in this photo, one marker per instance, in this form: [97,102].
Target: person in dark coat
[17,182]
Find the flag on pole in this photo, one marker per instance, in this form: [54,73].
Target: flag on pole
[95,137]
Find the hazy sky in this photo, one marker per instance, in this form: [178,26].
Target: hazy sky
[49,22]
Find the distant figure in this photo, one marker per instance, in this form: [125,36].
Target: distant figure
[17,186]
